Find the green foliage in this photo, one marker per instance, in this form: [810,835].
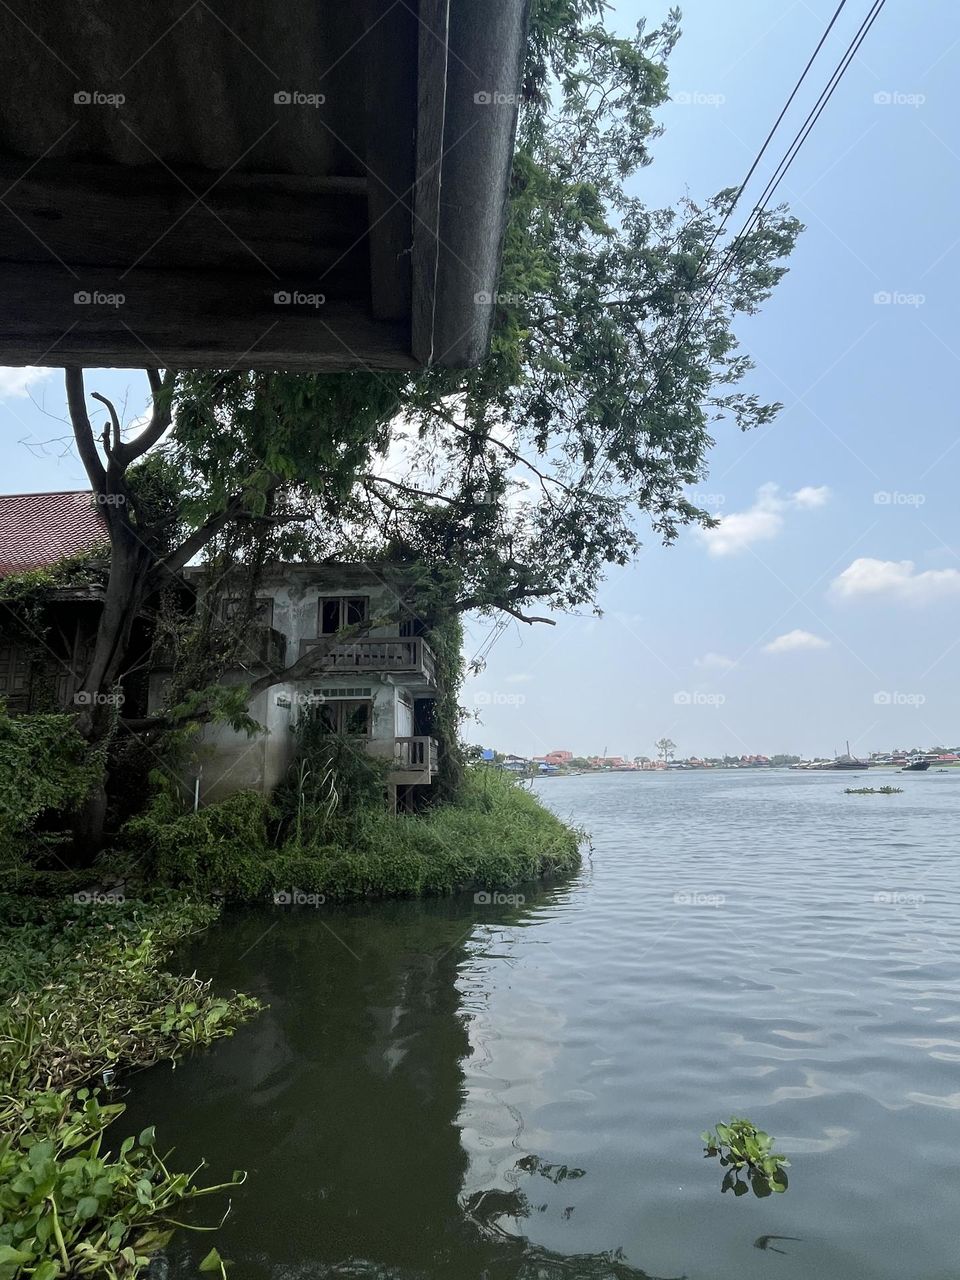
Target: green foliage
[446,641]
[68,1208]
[614,348]
[217,847]
[745,1148]
[44,766]
[85,995]
[873,791]
[495,836]
[327,765]
[156,489]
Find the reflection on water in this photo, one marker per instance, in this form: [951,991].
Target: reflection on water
[450,1089]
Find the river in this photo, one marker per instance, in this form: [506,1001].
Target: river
[493,1090]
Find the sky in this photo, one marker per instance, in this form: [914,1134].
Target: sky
[825,605]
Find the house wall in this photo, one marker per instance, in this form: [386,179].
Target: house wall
[228,761]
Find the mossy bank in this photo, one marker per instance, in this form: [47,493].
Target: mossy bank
[496,836]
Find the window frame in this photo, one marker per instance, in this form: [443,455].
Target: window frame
[342,602]
[229,610]
[341,708]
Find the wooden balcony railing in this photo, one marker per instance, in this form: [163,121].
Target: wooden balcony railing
[395,653]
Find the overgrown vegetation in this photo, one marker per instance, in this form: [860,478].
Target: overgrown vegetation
[743,1148]
[873,791]
[85,994]
[45,767]
[497,835]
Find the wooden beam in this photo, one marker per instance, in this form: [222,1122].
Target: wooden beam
[186,319]
[469,91]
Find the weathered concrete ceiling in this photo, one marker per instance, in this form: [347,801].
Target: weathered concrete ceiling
[312,184]
[198,83]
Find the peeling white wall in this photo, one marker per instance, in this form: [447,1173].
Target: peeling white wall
[229,761]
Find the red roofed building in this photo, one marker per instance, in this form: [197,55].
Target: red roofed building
[37,530]
[41,662]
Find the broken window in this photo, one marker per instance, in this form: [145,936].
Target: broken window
[345,716]
[337,612]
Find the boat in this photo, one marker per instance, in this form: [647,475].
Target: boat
[916,766]
[847,761]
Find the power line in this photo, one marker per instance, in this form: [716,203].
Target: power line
[728,259]
[753,219]
[799,139]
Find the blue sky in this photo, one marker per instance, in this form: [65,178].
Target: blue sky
[869,411]
[819,611]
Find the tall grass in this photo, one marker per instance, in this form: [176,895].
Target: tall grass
[496,836]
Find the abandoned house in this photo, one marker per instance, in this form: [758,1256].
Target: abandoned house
[41,658]
[377,689]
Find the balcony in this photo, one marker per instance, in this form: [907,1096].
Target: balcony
[396,655]
[414,761]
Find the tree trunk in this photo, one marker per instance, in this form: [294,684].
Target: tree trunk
[99,698]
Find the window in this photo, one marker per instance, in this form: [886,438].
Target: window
[14,671]
[337,612]
[345,716]
[411,626]
[343,691]
[261,611]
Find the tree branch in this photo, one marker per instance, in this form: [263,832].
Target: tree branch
[114,419]
[197,540]
[83,431]
[160,418]
[522,617]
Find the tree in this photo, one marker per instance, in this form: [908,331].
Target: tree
[500,487]
[665,749]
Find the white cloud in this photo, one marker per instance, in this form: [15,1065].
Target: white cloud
[895,579]
[519,677]
[809,496]
[761,522]
[794,641]
[714,662]
[17,382]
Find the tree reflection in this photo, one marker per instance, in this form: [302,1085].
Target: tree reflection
[343,1100]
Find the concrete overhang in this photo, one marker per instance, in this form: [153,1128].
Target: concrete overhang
[311,185]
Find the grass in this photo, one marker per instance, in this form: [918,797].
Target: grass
[496,836]
[87,994]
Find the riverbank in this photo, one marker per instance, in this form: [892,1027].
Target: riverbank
[495,836]
[85,996]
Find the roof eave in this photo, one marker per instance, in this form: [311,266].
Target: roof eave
[471,58]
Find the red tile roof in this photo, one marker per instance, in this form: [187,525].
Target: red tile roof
[39,529]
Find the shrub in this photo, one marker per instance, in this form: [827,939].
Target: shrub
[496,836]
[205,849]
[45,768]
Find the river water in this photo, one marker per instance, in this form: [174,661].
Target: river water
[483,1091]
